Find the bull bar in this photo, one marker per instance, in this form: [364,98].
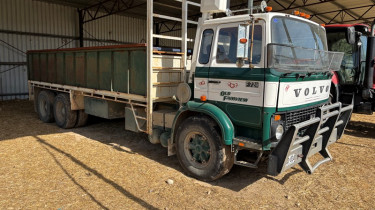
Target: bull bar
[307,138]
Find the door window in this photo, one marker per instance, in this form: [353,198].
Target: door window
[227,45]
[205,51]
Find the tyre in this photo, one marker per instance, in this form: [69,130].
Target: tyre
[333,94]
[200,149]
[44,106]
[81,118]
[64,116]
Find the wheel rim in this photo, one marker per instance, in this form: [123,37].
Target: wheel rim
[197,149]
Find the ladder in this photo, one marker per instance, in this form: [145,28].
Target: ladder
[185,5]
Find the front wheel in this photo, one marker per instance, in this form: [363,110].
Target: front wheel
[201,151]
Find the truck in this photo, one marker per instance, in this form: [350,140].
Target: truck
[355,80]
[255,89]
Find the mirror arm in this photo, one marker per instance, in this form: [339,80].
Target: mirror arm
[252,43]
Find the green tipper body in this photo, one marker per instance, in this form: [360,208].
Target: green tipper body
[114,68]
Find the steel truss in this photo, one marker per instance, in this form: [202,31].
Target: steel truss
[106,8]
[342,13]
[339,14]
[103,9]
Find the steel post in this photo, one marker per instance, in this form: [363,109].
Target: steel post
[80,25]
[184,38]
[150,27]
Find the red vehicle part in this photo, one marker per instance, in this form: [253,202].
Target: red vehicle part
[335,78]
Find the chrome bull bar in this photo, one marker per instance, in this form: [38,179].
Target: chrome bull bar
[307,138]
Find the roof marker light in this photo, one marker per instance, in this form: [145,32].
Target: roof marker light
[268,9]
[296,13]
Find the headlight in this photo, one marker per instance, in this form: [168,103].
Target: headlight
[279,132]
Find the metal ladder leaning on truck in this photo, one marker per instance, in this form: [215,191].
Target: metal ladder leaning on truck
[258,87]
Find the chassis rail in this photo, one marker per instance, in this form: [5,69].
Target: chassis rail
[305,139]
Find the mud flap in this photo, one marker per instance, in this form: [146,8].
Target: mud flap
[305,139]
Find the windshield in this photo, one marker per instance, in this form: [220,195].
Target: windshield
[337,42]
[298,33]
[299,46]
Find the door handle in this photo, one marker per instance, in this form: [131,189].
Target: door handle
[214,81]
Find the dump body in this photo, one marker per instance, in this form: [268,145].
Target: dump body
[116,68]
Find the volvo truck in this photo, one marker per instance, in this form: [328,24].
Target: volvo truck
[256,89]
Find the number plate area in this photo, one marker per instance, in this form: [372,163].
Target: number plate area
[294,157]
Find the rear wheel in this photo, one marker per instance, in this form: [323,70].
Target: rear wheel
[81,118]
[44,106]
[201,151]
[64,116]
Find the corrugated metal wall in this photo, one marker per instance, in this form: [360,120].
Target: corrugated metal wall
[26,25]
[32,25]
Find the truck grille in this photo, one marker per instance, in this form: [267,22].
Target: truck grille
[298,116]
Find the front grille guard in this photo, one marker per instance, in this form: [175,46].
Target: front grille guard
[326,128]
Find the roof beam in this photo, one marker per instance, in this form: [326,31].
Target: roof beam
[304,4]
[108,7]
[348,11]
[343,12]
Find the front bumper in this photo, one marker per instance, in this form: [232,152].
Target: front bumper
[318,133]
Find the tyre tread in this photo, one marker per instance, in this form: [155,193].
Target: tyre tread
[224,154]
[71,115]
[49,96]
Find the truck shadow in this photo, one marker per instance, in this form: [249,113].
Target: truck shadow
[360,129]
[249,176]
[48,147]
[113,133]
[25,122]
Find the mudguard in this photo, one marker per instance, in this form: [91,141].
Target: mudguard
[213,111]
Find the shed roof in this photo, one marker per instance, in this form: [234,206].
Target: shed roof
[321,11]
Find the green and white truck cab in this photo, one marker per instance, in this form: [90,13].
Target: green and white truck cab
[260,84]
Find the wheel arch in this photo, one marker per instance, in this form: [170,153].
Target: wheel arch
[196,108]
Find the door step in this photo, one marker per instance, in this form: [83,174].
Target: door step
[244,143]
[247,143]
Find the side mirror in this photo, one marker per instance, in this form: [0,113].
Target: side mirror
[243,44]
[350,35]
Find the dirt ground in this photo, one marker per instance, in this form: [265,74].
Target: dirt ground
[102,166]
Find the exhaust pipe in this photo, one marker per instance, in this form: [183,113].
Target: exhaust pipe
[250,5]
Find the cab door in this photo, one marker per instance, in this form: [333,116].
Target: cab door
[203,63]
[237,90]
